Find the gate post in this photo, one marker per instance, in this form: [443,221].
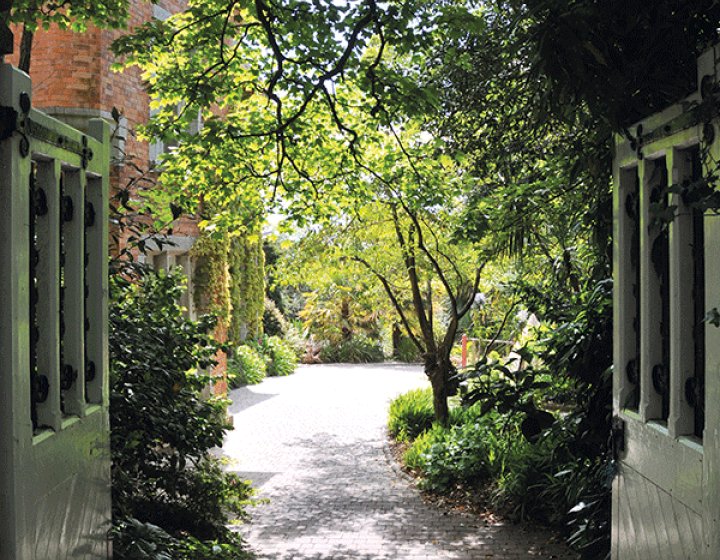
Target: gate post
[15,423]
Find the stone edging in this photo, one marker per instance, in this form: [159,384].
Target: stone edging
[392,462]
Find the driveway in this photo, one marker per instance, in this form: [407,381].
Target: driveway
[314,444]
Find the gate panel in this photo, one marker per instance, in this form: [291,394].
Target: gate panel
[54,426]
[666,381]
[652,524]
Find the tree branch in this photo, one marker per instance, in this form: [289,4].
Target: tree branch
[394,300]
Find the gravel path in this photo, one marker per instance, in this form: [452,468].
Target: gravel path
[314,444]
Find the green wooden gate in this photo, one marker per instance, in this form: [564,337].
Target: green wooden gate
[54,428]
[666,500]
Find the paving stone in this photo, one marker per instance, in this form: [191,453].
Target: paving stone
[314,445]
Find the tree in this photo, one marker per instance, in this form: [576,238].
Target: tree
[273,80]
[401,238]
[623,60]
[427,265]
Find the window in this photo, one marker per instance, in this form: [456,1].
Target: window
[174,251]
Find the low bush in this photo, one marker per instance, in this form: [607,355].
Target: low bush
[246,367]
[414,456]
[279,356]
[359,349]
[455,456]
[540,478]
[411,414]
[303,346]
[135,540]
[162,428]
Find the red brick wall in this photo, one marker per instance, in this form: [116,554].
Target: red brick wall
[65,67]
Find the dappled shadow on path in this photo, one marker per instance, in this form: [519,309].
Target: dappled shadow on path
[344,502]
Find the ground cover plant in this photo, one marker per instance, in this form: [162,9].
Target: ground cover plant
[487,456]
[359,349]
[171,498]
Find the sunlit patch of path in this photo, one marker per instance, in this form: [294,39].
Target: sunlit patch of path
[314,445]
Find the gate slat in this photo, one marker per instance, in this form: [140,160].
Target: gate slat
[48,283]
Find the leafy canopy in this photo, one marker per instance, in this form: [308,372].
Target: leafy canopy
[69,14]
[287,91]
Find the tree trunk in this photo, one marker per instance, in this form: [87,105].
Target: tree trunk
[438,372]
[25,50]
[440,400]
[345,319]
[396,337]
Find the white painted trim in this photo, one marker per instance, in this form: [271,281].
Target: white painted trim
[180,244]
[160,13]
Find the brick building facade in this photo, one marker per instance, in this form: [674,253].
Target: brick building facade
[73,81]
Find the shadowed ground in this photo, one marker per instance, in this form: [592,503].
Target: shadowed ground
[314,445]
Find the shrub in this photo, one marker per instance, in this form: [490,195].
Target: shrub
[414,455]
[406,351]
[274,322]
[411,414]
[298,340]
[359,349]
[457,455]
[134,540]
[161,427]
[279,356]
[246,367]
[548,482]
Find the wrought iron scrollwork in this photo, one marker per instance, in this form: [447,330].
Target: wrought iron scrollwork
[631,371]
[88,223]
[660,379]
[68,375]
[40,390]
[694,392]
[39,385]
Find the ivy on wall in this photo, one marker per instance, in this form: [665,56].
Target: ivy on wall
[247,286]
[211,278]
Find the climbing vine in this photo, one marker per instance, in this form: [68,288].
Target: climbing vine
[247,286]
[211,278]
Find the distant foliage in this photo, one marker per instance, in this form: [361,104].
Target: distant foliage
[246,367]
[274,322]
[406,351]
[359,349]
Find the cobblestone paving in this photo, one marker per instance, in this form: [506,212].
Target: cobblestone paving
[314,445]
